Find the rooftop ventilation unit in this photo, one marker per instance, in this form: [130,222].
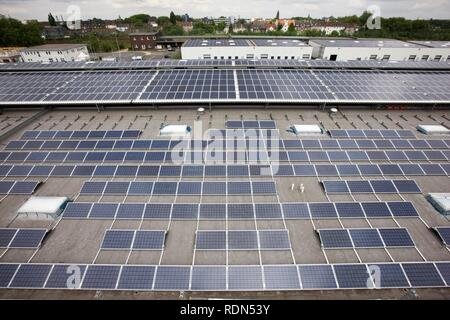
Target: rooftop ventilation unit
[42,208]
[440,201]
[175,130]
[306,129]
[432,129]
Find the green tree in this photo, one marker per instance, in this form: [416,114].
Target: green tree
[221,26]
[291,28]
[279,27]
[230,29]
[173,18]
[51,19]
[15,33]
[173,30]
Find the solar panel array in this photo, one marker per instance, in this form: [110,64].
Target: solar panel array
[115,239]
[199,171]
[146,188]
[365,238]
[227,278]
[372,134]
[371,186]
[80,134]
[192,63]
[11,238]
[444,234]
[18,187]
[242,240]
[239,211]
[224,85]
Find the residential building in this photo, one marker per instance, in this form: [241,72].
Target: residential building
[143,40]
[55,53]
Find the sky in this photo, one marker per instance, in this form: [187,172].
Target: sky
[111,9]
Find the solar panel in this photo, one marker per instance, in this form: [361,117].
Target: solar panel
[444,234]
[211,240]
[349,210]
[100,277]
[335,186]
[406,186]
[388,276]
[366,238]
[423,275]
[396,237]
[28,238]
[352,276]
[30,276]
[103,211]
[212,211]
[165,188]
[295,211]
[444,270]
[157,211]
[402,209]
[274,240]
[172,278]
[6,235]
[245,278]
[317,277]
[359,186]
[376,209]
[335,238]
[116,188]
[263,187]
[240,211]
[117,239]
[242,240]
[189,188]
[281,277]
[206,278]
[7,272]
[77,210]
[130,211]
[65,276]
[93,187]
[322,210]
[136,278]
[383,186]
[140,188]
[149,240]
[267,211]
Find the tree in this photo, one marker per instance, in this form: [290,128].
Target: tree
[15,33]
[278,15]
[51,19]
[279,27]
[291,28]
[173,18]
[230,29]
[221,26]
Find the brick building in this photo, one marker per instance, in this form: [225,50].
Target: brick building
[143,40]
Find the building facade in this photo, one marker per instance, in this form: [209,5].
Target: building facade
[383,50]
[55,53]
[143,40]
[233,49]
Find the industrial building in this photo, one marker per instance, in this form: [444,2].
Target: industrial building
[324,49]
[55,53]
[222,179]
[383,49]
[234,49]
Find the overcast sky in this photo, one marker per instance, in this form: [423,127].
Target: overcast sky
[38,9]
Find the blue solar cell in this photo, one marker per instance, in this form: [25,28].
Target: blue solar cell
[402,209]
[209,278]
[267,211]
[366,238]
[322,210]
[165,188]
[93,187]
[30,276]
[184,211]
[383,186]
[376,209]
[317,277]
[335,186]
[390,169]
[117,239]
[28,238]
[100,277]
[304,170]
[136,278]
[369,170]
[240,211]
[396,237]
[103,211]
[104,171]
[170,171]
[406,186]
[263,187]
[148,171]
[245,278]
[6,235]
[295,211]
[335,238]
[353,276]
[7,271]
[149,240]
[388,276]
[326,170]
[115,156]
[443,267]
[432,169]
[116,188]
[130,211]
[281,277]
[157,211]
[140,188]
[239,188]
[349,210]
[82,171]
[359,186]
[215,171]
[126,171]
[423,275]
[189,188]
[172,278]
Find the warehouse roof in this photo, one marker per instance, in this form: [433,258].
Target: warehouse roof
[386,43]
[56,46]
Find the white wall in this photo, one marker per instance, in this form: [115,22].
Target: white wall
[55,55]
[249,52]
[364,53]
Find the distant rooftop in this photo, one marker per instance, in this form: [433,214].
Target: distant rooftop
[56,46]
[366,43]
[244,43]
[217,43]
[433,44]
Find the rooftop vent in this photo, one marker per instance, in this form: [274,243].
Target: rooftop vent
[175,130]
[440,201]
[42,208]
[432,129]
[306,129]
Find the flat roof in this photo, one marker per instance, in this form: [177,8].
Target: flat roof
[56,46]
[433,44]
[217,43]
[366,43]
[279,43]
[78,241]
